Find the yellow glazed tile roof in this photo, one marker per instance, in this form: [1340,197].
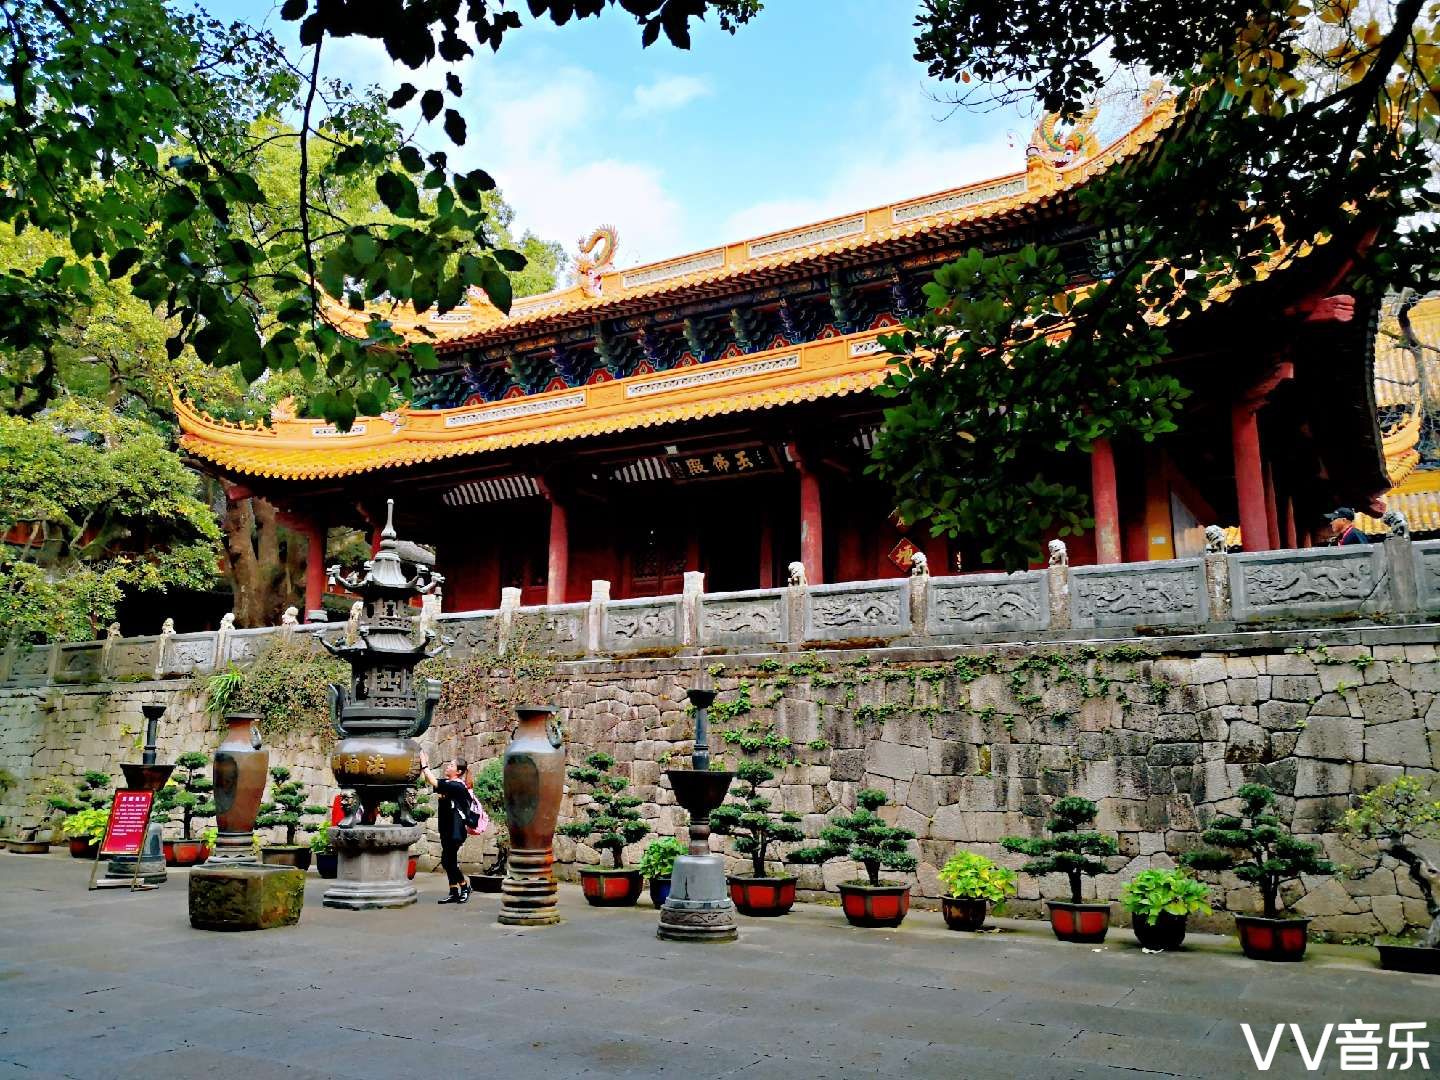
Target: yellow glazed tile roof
[295,449]
[1039,184]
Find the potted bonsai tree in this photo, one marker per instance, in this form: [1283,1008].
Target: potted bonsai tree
[327,860]
[187,795]
[1160,902]
[288,810]
[420,810]
[656,865]
[612,820]
[1258,849]
[975,883]
[490,790]
[1074,850]
[869,840]
[92,796]
[756,828]
[1404,821]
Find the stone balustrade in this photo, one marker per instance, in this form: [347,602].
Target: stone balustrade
[1396,581]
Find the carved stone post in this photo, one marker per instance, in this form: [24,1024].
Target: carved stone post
[1217,584]
[1404,588]
[690,606]
[509,604]
[1058,587]
[595,615]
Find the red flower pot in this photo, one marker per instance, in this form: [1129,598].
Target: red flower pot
[762,897]
[1084,923]
[185,852]
[611,888]
[865,905]
[83,848]
[1272,939]
[411,865]
[964,912]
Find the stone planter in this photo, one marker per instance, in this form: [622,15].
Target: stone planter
[873,906]
[1280,940]
[1086,924]
[1166,932]
[964,912]
[764,897]
[611,888]
[1420,959]
[297,856]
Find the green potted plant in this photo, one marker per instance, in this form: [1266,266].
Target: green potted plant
[1403,820]
[187,795]
[85,829]
[612,820]
[1074,850]
[91,793]
[1258,849]
[975,883]
[327,860]
[288,810]
[420,810]
[756,827]
[1160,902]
[869,840]
[490,790]
[656,865]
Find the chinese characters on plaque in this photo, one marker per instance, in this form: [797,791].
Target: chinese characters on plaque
[730,461]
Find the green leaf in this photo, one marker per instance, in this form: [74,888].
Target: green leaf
[497,286]
[455,127]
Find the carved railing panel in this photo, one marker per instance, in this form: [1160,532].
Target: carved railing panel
[1169,593]
[1427,573]
[473,632]
[745,618]
[187,654]
[1318,581]
[133,658]
[80,662]
[31,665]
[988,603]
[559,629]
[864,609]
[642,624]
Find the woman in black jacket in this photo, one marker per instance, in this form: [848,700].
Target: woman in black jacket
[451,820]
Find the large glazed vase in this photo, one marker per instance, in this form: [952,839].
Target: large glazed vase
[240,769]
[534,781]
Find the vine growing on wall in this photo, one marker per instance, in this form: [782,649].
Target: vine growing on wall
[491,684]
[286,686]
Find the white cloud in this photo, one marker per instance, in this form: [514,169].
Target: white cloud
[668,93]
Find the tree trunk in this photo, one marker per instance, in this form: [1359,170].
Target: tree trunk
[1426,874]
[257,572]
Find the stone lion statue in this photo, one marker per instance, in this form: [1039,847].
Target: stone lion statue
[797,573]
[291,616]
[1214,540]
[167,628]
[227,621]
[919,565]
[1059,555]
[112,631]
[1396,522]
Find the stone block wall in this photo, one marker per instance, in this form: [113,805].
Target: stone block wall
[971,743]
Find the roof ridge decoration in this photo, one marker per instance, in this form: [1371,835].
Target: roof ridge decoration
[1060,159]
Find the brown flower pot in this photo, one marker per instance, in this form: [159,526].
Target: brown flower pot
[611,888]
[285,855]
[964,912]
[1084,923]
[83,848]
[1166,932]
[184,852]
[1272,939]
[762,897]
[870,906]
[28,847]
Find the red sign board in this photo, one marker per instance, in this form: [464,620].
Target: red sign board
[129,818]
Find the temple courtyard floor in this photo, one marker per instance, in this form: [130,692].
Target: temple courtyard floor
[113,984]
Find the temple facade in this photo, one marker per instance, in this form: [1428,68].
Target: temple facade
[714,412]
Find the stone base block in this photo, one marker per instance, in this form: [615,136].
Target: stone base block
[528,893]
[245,897]
[698,908]
[371,867]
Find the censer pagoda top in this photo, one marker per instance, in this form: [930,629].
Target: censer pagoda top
[383,695]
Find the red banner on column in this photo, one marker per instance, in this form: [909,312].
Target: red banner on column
[129,817]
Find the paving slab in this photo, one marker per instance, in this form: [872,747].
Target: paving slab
[114,984]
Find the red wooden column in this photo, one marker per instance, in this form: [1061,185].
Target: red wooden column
[1106,501]
[1249,477]
[314,567]
[1272,504]
[767,552]
[812,536]
[558,565]
[1291,540]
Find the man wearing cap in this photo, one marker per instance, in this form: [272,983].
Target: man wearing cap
[1342,527]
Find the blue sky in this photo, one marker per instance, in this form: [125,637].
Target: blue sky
[814,109]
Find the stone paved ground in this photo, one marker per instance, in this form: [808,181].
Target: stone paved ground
[118,985]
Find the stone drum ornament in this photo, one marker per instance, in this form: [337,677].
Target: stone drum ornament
[378,717]
[534,782]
